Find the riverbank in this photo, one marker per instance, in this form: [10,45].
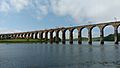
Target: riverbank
[23,41]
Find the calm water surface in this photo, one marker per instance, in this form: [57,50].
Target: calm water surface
[60,56]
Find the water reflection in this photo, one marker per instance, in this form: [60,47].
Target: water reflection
[59,56]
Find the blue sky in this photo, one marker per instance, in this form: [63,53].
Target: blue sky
[29,15]
[27,19]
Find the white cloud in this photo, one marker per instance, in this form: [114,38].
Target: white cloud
[41,11]
[6,30]
[80,10]
[4,6]
[15,5]
[89,10]
[19,4]
[40,7]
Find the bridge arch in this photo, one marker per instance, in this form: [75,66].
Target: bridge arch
[119,33]
[35,35]
[29,35]
[26,35]
[58,34]
[32,35]
[89,32]
[75,34]
[51,35]
[119,29]
[43,35]
[116,37]
[46,36]
[72,34]
[96,33]
[108,30]
[84,34]
[40,34]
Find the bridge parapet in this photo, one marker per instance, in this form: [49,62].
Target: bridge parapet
[115,24]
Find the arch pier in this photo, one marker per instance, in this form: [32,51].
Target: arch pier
[39,34]
[63,36]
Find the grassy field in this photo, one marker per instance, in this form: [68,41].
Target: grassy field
[23,41]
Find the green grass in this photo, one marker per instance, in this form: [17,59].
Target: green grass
[23,41]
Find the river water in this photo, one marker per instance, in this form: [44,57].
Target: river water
[60,56]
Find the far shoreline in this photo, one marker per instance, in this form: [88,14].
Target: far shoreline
[38,41]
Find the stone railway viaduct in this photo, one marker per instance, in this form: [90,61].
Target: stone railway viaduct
[34,34]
